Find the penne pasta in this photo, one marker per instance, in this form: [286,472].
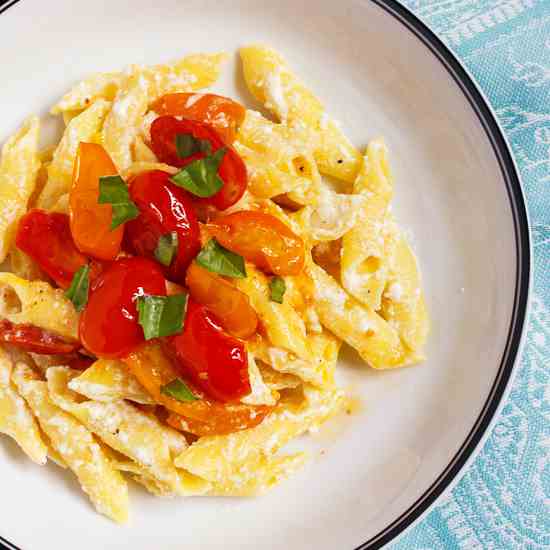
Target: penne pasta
[19,165]
[84,127]
[195,336]
[364,264]
[37,303]
[377,342]
[272,82]
[104,485]
[16,419]
[403,304]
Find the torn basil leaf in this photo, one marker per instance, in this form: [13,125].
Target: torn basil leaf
[277,289]
[179,390]
[187,145]
[167,248]
[200,177]
[114,191]
[78,291]
[161,315]
[218,259]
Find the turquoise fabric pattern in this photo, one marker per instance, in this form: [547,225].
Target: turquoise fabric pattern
[502,501]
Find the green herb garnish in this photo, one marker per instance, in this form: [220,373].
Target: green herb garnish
[187,145]
[218,259]
[114,191]
[200,177]
[161,315]
[167,248]
[78,291]
[277,289]
[179,390]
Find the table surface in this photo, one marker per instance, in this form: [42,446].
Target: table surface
[503,500]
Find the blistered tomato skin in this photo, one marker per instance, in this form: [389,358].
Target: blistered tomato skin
[163,208]
[212,359]
[109,323]
[46,238]
[222,113]
[261,239]
[232,169]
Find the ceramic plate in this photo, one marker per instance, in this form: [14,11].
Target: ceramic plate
[379,71]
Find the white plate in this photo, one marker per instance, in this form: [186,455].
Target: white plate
[380,71]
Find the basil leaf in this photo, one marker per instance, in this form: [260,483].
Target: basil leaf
[200,177]
[179,390]
[161,315]
[218,259]
[114,191]
[78,291]
[206,147]
[187,145]
[167,248]
[277,289]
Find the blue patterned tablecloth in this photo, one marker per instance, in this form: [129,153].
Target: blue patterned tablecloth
[503,500]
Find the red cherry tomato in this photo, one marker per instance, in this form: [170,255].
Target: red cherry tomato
[213,360]
[34,339]
[261,239]
[232,169]
[222,113]
[109,323]
[46,238]
[164,208]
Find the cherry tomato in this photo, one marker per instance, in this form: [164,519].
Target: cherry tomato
[34,339]
[91,221]
[262,239]
[164,208]
[229,304]
[46,238]
[213,360]
[232,169]
[223,418]
[109,323]
[153,368]
[222,113]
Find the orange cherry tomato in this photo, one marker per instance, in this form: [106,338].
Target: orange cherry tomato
[153,368]
[91,221]
[262,239]
[232,169]
[229,304]
[34,339]
[223,419]
[222,113]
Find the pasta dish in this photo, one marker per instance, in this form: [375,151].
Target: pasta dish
[181,273]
